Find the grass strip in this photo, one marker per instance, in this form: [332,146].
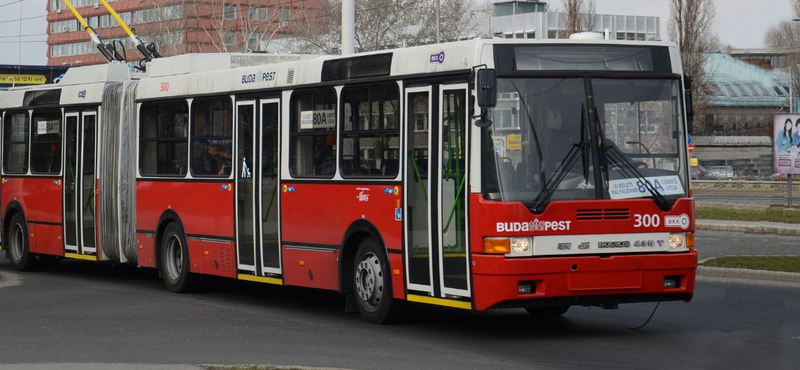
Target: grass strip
[772,213]
[767,263]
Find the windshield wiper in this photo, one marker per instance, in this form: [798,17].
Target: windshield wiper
[558,176]
[628,169]
[566,165]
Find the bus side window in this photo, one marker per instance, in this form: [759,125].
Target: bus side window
[15,143]
[370,132]
[46,143]
[212,137]
[164,138]
[312,143]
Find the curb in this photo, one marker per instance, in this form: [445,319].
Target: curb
[750,229]
[724,272]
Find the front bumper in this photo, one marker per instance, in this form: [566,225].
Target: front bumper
[581,280]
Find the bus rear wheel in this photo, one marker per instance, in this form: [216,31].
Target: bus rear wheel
[18,247]
[373,284]
[545,312]
[174,260]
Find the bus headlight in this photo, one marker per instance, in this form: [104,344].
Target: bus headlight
[511,247]
[677,242]
[521,247]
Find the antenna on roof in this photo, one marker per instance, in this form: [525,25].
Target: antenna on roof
[148,51]
[103,48]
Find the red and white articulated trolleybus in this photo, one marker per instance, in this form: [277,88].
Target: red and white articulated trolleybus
[477,174]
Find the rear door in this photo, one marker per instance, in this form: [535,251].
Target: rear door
[80,183]
[269,127]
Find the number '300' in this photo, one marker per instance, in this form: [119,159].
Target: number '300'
[646,220]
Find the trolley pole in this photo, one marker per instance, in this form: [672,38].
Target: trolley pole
[348,26]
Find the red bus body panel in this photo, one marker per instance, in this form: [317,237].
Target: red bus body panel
[320,214]
[204,209]
[40,199]
[496,278]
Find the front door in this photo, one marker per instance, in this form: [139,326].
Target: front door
[452,203]
[436,189]
[80,183]
[419,257]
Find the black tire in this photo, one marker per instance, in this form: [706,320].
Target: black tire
[18,248]
[372,284]
[547,312]
[173,260]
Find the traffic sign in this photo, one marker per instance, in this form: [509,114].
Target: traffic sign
[691,148]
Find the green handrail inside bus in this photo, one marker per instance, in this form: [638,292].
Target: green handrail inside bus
[419,176]
[455,204]
[271,200]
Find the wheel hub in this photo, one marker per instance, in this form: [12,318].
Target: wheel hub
[369,280]
[17,242]
[174,258]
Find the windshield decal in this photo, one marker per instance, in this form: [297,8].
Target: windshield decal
[634,188]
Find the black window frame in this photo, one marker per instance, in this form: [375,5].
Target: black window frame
[7,143]
[294,129]
[174,140]
[34,143]
[357,132]
[193,138]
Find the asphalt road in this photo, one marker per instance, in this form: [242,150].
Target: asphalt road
[762,200]
[86,312]
[723,243]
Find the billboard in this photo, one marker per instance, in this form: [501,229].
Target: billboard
[14,75]
[787,144]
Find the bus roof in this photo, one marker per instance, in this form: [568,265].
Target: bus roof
[199,74]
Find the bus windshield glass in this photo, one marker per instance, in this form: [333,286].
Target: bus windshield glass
[540,143]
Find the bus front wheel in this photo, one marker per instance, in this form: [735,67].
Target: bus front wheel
[373,284]
[174,260]
[18,247]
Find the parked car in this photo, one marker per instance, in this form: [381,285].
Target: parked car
[721,172]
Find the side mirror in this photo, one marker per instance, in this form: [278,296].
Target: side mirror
[687,84]
[487,94]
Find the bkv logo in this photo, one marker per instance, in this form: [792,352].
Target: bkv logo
[82,94]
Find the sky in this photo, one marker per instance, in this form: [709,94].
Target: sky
[739,23]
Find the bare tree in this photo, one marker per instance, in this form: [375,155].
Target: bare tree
[590,17]
[786,37]
[238,25]
[580,15]
[168,28]
[382,24]
[691,27]
[218,25]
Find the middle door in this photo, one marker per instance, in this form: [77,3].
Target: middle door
[245,187]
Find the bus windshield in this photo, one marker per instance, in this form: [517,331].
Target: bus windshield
[541,140]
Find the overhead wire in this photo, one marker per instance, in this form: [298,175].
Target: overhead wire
[12,3]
